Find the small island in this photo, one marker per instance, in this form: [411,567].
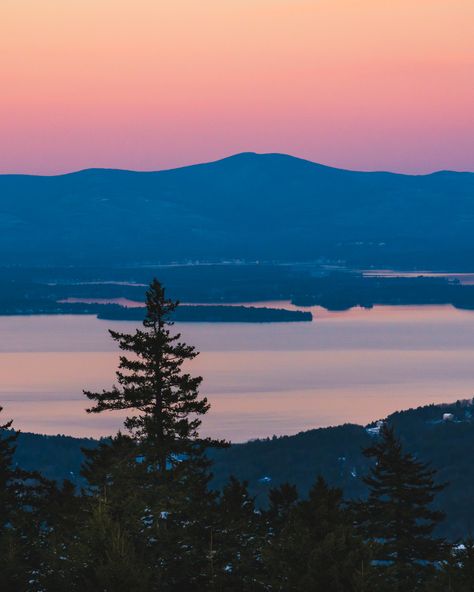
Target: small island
[211,314]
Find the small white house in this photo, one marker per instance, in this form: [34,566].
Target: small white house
[448,417]
[375,431]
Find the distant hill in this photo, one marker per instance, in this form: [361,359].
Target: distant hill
[249,206]
[335,453]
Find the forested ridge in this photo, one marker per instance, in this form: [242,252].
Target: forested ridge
[148,514]
[248,206]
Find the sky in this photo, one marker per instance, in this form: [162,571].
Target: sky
[154,84]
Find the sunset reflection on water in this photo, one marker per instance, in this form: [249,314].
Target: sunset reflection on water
[261,379]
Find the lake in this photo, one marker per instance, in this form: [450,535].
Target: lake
[261,379]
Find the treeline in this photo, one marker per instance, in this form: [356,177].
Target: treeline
[147,520]
[342,291]
[41,290]
[334,452]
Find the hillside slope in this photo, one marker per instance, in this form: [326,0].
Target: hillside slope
[335,453]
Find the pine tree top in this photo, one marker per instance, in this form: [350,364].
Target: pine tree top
[163,399]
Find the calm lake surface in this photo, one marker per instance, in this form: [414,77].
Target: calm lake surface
[261,379]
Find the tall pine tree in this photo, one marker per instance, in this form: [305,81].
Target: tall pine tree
[154,480]
[316,547]
[164,401]
[398,513]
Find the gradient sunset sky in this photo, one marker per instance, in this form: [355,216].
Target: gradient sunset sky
[153,84]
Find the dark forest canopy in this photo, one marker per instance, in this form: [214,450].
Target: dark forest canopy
[248,206]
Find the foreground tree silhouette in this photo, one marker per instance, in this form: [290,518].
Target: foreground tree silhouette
[164,400]
[12,565]
[398,513]
[153,482]
[24,520]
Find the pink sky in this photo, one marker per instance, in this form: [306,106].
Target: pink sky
[152,84]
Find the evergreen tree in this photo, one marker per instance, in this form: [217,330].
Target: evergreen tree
[281,501]
[398,513]
[62,513]
[317,548]
[164,401]
[155,479]
[23,498]
[113,471]
[464,555]
[457,570]
[105,557]
[11,560]
[8,475]
[238,536]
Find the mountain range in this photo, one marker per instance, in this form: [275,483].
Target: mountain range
[249,206]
